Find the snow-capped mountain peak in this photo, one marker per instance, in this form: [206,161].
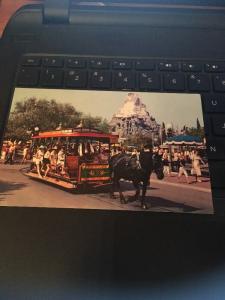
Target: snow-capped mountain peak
[132,106]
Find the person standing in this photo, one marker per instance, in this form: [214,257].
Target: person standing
[10,154]
[175,159]
[181,167]
[196,166]
[25,154]
[146,162]
[166,163]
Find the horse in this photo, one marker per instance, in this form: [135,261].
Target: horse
[126,166]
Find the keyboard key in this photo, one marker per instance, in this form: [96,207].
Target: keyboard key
[218,122]
[99,64]
[168,66]
[144,65]
[216,148]
[122,64]
[199,82]
[124,80]
[174,82]
[76,78]
[213,103]
[100,79]
[215,68]
[219,83]
[53,62]
[217,172]
[149,81]
[31,61]
[219,193]
[192,67]
[76,63]
[28,76]
[51,77]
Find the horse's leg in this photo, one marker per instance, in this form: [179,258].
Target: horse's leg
[112,189]
[144,189]
[146,182]
[137,187]
[122,198]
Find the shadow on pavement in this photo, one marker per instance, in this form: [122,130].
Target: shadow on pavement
[6,187]
[157,202]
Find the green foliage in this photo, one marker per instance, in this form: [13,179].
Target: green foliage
[198,125]
[95,123]
[47,114]
[195,132]
[163,132]
[138,141]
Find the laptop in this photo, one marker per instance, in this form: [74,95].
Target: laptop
[112,146]
[114,107]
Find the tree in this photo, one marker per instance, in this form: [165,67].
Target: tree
[163,132]
[198,124]
[184,129]
[196,132]
[170,132]
[138,141]
[46,114]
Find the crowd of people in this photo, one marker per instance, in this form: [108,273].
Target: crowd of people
[9,151]
[53,157]
[183,161]
[180,163]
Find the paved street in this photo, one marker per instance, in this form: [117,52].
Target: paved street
[166,195]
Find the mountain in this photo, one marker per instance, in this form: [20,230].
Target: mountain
[133,119]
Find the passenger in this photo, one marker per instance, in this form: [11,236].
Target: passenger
[53,157]
[103,156]
[47,162]
[33,163]
[89,153]
[61,160]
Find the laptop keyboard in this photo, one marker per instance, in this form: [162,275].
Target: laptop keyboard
[121,74]
[206,78]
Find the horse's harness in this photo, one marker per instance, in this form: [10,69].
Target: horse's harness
[128,162]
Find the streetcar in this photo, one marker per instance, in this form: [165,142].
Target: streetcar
[84,157]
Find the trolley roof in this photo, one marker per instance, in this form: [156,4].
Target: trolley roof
[74,133]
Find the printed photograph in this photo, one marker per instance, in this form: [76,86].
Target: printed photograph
[106,150]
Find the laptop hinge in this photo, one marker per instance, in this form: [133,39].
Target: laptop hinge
[56,11]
